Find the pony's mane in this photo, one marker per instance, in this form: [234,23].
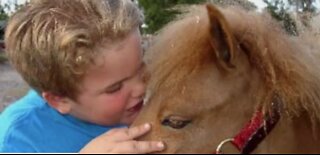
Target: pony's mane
[289,66]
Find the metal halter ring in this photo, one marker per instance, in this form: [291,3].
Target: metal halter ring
[219,148]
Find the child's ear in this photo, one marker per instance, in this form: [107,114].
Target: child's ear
[61,104]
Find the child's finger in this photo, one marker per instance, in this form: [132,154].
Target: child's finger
[126,134]
[143,147]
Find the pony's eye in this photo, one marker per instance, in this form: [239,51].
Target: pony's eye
[175,122]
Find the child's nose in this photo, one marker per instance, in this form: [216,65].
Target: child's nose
[139,90]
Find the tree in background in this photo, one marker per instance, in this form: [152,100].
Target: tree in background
[5,10]
[160,12]
[3,17]
[303,6]
[3,14]
[281,10]
[306,9]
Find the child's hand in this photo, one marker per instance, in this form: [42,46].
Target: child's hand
[122,141]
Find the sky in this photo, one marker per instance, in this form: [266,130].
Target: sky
[259,3]
[12,1]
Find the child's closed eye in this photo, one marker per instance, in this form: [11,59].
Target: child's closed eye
[114,88]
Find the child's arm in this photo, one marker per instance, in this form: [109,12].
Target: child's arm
[122,141]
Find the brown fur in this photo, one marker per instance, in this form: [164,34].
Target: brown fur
[264,64]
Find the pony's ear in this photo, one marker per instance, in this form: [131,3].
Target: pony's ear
[222,39]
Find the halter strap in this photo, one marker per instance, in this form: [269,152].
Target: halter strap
[254,132]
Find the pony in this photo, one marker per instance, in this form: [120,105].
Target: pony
[229,80]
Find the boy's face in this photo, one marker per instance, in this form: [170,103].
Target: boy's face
[113,89]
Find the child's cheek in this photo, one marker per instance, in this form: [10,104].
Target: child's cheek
[118,103]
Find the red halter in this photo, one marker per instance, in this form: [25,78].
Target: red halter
[254,132]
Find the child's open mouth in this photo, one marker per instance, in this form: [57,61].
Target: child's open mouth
[136,108]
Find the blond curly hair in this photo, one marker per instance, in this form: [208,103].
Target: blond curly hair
[51,42]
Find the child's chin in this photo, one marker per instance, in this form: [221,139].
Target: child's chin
[130,119]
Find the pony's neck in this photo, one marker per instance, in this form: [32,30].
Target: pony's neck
[291,136]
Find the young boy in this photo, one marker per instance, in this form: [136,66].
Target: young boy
[83,60]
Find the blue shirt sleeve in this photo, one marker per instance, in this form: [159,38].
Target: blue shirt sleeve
[15,140]
[31,126]
[16,145]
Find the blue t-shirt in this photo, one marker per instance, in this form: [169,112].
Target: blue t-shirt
[31,125]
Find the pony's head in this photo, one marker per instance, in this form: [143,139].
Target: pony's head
[210,71]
